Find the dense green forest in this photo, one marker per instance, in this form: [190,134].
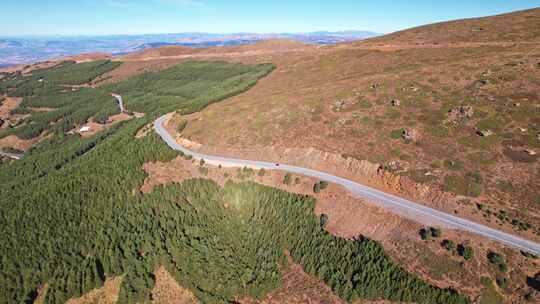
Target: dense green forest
[177,88]
[71,213]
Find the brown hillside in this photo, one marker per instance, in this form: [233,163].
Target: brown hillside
[338,100]
[513,27]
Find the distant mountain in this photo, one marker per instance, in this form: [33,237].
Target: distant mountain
[22,50]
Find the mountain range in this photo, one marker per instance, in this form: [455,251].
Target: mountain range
[22,50]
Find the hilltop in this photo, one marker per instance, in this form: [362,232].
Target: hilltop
[519,26]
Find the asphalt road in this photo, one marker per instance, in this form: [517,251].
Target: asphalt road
[403,207]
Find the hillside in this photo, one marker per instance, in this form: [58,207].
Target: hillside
[523,26]
[448,118]
[452,123]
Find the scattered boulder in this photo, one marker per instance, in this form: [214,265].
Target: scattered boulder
[1,122]
[485,133]
[529,151]
[395,102]
[460,113]
[339,105]
[522,129]
[395,166]
[538,136]
[375,86]
[411,134]
[487,73]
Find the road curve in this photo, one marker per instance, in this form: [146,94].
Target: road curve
[399,205]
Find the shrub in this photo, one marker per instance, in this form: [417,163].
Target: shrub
[320,186]
[449,245]
[497,259]
[323,220]
[324,184]
[466,252]
[396,134]
[425,234]
[201,162]
[287,179]
[502,282]
[262,172]
[435,232]
[296,180]
[529,255]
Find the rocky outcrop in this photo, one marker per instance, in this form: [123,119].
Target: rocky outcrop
[460,113]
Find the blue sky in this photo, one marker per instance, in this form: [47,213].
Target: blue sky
[91,17]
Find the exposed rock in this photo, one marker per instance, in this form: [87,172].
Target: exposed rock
[395,166]
[1,122]
[395,102]
[342,121]
[375,86]
[529,151]
[484,82]
[411,134]
[460,113]
[523,129]
[485,133]
[538,136]
[339,105]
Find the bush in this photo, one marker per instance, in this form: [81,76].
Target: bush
[435,232]
[529,255]
[396,134]
[466,252]
[425,234]
[449,245]
[287,179]
[317,188]
[262,172]
[497,259]
[502,282]
[323,220]
[320,186]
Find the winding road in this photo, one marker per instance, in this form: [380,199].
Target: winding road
[394,203]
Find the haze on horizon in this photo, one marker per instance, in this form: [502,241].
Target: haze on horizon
[113,17]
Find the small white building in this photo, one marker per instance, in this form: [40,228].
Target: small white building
[84,129]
